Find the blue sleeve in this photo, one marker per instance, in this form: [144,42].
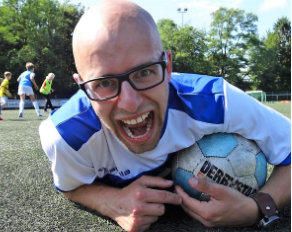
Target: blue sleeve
[287,161]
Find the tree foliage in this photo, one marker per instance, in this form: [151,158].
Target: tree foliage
[271,61]
[188,46]
[40,31]
[232,33]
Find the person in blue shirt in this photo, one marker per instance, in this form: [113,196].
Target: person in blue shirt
[110,141]
[26,79]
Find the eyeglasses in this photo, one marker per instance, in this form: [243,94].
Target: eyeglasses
[141,78]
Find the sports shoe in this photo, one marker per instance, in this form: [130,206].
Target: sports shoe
[1,118]
[40,115]
[45,111]
[20,115]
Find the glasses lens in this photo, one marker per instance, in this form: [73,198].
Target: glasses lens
[108,87]
[147,76]
[102,88]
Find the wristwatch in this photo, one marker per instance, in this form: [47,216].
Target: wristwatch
[267,209]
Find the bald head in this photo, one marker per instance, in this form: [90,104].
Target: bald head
[112,31]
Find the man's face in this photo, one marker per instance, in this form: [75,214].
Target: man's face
[116,41]
[135,117]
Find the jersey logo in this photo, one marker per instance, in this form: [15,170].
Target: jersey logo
[114,169]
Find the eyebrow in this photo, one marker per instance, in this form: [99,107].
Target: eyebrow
[140,65]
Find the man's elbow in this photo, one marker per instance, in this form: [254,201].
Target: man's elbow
[69,195]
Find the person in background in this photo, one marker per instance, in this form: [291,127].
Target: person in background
[4,91]
[46,90]
[26,79]
[110,141]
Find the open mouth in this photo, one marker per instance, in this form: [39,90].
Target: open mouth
[139,127]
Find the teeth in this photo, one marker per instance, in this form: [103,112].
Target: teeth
[129,133]
[137,120]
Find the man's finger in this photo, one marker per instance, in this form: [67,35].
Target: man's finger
[161,196]
[204,186]
[193,205]
[193,214]
[187,201]
[155,182]
[153,210]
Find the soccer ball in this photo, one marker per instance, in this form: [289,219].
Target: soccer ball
[227,159]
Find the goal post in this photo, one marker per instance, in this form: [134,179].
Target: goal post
[258,94]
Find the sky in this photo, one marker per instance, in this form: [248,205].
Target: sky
[199,12]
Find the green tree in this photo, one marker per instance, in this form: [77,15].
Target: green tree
[233,32]
[282,31]
[39,31]
[263,63]
[187,44]
[271,61]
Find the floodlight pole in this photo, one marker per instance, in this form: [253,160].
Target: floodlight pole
[182,11]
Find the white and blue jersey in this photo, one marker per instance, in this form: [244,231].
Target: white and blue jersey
[25,78]
[81,149]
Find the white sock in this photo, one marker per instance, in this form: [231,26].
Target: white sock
[21,106]
[36,106]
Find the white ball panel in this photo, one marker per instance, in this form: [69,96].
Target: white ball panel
[248,144]
[242,161]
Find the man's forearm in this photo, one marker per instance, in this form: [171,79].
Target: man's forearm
[94,196]
[279,185]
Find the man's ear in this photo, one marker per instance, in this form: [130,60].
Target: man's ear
[77,78]
[169,65]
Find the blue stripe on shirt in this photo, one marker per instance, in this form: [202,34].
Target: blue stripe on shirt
[201,97]
[77,121]
[287,161]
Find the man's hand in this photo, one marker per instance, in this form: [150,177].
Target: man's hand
[134,207]
[227,206]
[138,205]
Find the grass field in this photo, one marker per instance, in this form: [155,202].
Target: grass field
[29,202]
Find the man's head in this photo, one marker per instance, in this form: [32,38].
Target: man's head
[29,66]
[112,38]
[8,75]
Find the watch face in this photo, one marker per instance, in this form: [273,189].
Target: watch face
[265,222]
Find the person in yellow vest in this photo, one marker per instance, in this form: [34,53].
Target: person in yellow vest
[4,91]
[46,90]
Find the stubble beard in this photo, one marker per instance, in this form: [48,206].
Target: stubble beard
[141,148]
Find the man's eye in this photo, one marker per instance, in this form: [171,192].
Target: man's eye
[144,73]
[104,84]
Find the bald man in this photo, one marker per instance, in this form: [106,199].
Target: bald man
[109,143]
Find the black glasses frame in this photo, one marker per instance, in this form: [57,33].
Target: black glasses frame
[126,77]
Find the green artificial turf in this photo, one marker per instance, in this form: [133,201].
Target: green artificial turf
[29,201]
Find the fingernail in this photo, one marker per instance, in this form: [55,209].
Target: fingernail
[194,181]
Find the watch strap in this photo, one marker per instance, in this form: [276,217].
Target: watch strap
[267,208]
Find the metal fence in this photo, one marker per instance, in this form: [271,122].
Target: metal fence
[278,96]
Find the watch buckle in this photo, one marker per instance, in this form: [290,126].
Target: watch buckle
[266,221]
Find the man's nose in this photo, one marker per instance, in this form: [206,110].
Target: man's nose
[129,98]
